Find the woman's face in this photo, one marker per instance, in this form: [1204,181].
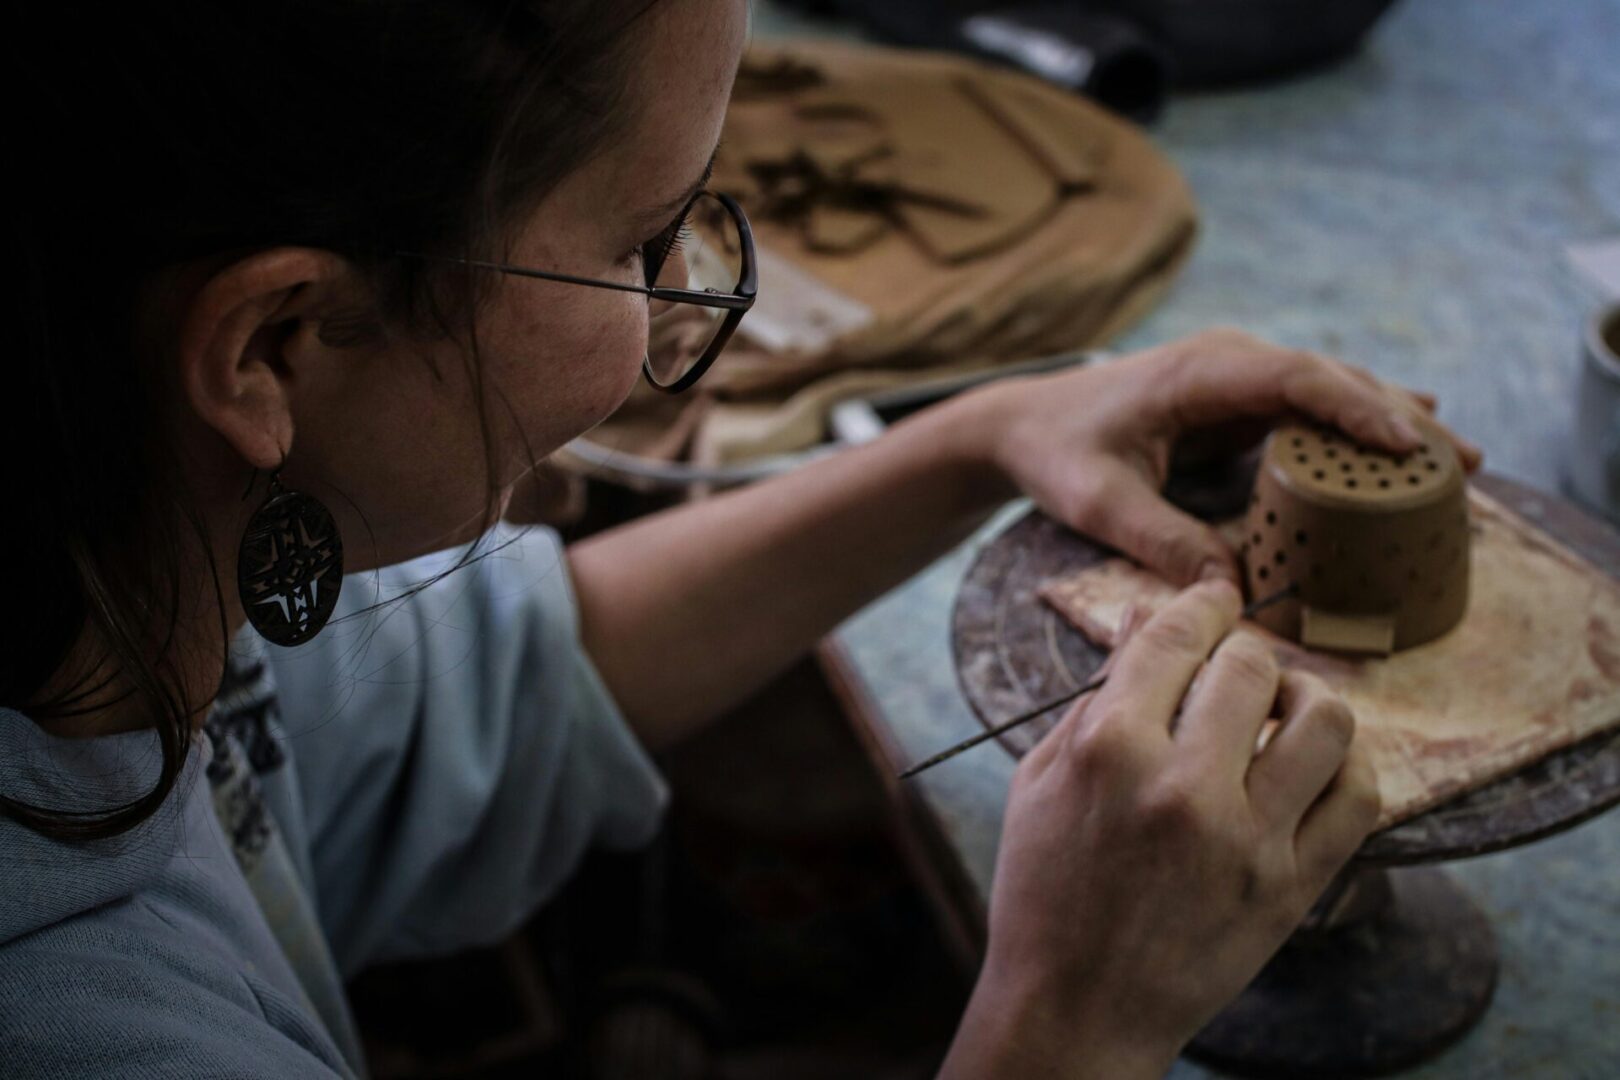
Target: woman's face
[394,450]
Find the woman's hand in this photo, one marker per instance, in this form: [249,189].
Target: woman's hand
[1150,862]
[1093,446]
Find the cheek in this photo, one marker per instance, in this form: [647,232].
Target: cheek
[598,360]
[576,367]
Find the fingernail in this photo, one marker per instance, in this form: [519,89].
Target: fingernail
[1405,430]
[1225,588]
[1215,570]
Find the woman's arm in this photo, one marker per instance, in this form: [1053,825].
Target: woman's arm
[1150,860]
[688,611]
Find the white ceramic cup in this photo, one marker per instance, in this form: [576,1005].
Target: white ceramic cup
[1593,468]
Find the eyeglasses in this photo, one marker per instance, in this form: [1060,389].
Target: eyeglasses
[687,327]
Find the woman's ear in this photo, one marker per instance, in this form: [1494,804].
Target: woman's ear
[241,354]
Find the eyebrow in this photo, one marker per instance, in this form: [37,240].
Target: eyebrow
[660,215]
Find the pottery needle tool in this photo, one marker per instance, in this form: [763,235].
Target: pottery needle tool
[1041,710]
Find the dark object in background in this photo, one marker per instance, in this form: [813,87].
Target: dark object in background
[1220,42]
[1075,45]
[1125,53]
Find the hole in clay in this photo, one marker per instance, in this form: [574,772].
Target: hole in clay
[1265,572]
[1350,483]
[1346,467]
[1384,483]
[1413,479]
[1331,452]
[1319,474]
[1256,539]
[1303,458]
[1271,517]
[1282,557]
[1372,466]
[1434,466]
[1299,537]
[1298,441]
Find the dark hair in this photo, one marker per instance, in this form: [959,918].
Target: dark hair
[145,137]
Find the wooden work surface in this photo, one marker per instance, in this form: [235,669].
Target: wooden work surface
[1013,652]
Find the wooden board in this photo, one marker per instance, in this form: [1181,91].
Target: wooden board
[1013,652]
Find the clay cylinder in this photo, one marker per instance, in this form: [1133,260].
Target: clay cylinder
[1377,544]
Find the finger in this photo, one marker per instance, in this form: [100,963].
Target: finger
[1306,752]
[1469,456]
[1230,701]
[1404,394]
[1335,827]
[1130,515]
[1416,400]
[1131,621]
[1265,381]
[1422,404]
[1327,390]
[1152,671]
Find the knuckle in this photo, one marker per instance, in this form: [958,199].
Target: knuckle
[1333,718]
[1284,918]
[1362,374]
[1366,801]
[1307,360]
[1171,806]
[1175,630]
[1226,334]
[1249,660]
[1161,548]
[1265,876]
[1368,804]
[1029,767]
[1104,744]
[1090,499]
[1307,685]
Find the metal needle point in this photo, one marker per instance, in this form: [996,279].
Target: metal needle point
[1007,725]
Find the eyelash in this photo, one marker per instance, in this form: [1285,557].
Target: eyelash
[669,240]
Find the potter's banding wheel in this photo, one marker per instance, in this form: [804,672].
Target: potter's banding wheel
[1356,1003]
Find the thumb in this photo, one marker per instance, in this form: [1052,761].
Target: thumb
[1139,522]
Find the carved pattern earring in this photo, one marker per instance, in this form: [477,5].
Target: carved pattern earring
[289,566]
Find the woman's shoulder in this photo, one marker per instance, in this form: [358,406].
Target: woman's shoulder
[128,989]
[138,953]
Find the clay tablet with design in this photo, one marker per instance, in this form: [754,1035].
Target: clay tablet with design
[1533,666]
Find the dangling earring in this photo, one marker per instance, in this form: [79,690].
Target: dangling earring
[289,566]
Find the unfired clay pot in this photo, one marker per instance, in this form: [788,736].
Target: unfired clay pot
[1378,545]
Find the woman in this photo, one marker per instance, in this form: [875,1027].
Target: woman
[257,254]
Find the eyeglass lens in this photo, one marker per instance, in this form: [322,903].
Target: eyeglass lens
[705,253]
